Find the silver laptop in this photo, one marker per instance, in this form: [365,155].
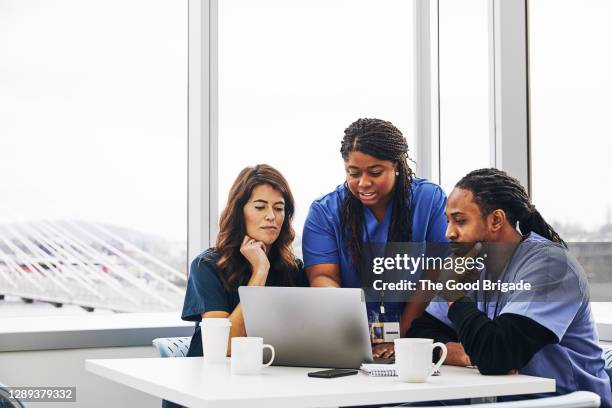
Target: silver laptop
[309,327]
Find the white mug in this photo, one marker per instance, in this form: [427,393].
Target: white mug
[247,355]
[413,359]
[215,334]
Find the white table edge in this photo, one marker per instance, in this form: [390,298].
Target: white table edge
[121,378]
[97,366]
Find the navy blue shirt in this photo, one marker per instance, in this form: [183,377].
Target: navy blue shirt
[206,292]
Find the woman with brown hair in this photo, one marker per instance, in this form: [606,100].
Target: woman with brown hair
[253,249]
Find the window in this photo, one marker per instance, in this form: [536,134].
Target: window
[93,152]
[464,88]
[293,75]
[570,89]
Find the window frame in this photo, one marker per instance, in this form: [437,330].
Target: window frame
[509,118]
[427,85]
[509,106]
[510,93]
[512,19]
[203,126]
[124,330]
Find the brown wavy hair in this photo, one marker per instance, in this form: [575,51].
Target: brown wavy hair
[235,269]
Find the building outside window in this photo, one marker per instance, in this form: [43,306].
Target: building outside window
[93,156]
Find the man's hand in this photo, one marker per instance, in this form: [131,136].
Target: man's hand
[384,350]
[464,275]
[456,355]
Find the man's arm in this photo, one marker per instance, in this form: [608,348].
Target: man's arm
[412,311]
[324,275]
[427,326]
[500,345]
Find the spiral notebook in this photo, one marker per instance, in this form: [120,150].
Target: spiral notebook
[383,370]
[378,370]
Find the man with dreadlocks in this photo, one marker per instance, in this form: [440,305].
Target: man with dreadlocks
[547,331]
[380,201]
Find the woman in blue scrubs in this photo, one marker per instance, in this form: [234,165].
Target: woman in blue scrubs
[253,249]
[380,201]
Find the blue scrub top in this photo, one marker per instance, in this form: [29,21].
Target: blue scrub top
[205,292]
[323,239]
[559,301]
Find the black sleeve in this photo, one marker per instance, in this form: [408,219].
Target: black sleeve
[500,345]
[429,327]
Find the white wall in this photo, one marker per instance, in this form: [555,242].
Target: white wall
[67,368]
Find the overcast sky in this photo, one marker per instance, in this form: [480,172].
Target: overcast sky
[93,112]
[93,101]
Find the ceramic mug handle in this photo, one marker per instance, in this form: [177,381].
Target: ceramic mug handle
[272,358]
[442,346]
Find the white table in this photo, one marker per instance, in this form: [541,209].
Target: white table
[189,382]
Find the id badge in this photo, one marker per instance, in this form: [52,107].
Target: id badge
[391,331]
[384,328]
[384,332]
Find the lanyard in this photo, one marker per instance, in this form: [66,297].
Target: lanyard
[485,303]
[368,244]
[504,278]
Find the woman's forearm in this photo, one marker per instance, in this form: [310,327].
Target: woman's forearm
[324,275]
[412,311]
[238,329]
[259,277]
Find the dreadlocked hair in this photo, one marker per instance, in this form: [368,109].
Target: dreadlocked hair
[380,139]
[495,189]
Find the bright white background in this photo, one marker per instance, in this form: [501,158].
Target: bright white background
[571,135]
[294,74]
[93,102]
[464,88]
[93,113]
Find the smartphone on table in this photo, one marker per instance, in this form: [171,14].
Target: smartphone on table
[338,372]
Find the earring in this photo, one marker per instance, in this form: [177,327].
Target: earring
[397,173]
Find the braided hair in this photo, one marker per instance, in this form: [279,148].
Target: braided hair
[382,140]
[495,189]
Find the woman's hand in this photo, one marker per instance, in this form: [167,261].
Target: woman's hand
[255,253]
[384,350]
